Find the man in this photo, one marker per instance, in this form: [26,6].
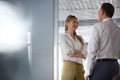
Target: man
[103,47]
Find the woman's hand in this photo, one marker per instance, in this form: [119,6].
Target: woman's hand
[77,54]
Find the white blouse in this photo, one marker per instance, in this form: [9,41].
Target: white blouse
[68,45]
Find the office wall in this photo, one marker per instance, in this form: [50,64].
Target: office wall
[42,39]
[14,63]
[41,66]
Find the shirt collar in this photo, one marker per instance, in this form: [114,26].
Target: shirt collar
[106,19]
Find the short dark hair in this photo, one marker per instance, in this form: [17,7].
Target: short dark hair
[116,77]
[108,9]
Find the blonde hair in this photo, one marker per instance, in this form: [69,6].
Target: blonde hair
[68,19]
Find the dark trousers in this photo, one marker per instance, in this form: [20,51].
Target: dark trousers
[105,70]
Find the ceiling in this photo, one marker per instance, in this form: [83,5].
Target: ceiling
[84,9]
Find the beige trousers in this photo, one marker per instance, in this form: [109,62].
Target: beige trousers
[72,71]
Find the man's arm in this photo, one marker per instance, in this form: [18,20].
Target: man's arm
[93,47]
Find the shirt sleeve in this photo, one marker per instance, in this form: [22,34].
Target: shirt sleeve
[84,50]
[93,46]
[65,47]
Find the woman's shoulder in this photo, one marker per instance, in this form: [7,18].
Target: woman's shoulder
[80,36]
[63,35]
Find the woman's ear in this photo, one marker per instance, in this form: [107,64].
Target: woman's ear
[67,23]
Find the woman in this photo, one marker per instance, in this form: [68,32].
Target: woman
[73,51]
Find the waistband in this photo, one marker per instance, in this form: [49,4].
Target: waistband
[106,60]
[72,62]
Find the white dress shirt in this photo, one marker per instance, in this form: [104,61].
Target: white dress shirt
[68,45]
[103,43]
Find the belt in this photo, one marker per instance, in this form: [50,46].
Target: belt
[106,60]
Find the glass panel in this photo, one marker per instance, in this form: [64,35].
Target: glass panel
[86,11]
[14,57]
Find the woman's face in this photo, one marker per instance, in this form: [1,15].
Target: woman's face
[72,24]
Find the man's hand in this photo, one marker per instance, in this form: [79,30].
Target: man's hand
[86,78]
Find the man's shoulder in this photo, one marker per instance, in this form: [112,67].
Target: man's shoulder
[103,24]
[98,24]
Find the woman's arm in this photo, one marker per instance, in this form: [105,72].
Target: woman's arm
[80,53]
[68,50]
[77,53]
[65,47]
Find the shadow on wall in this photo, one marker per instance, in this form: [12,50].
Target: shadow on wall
[14,66]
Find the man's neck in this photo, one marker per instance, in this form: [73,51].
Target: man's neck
[105,17]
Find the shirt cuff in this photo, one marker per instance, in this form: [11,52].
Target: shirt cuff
[87,69]
[87,73]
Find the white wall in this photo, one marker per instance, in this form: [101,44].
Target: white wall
[42,39]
